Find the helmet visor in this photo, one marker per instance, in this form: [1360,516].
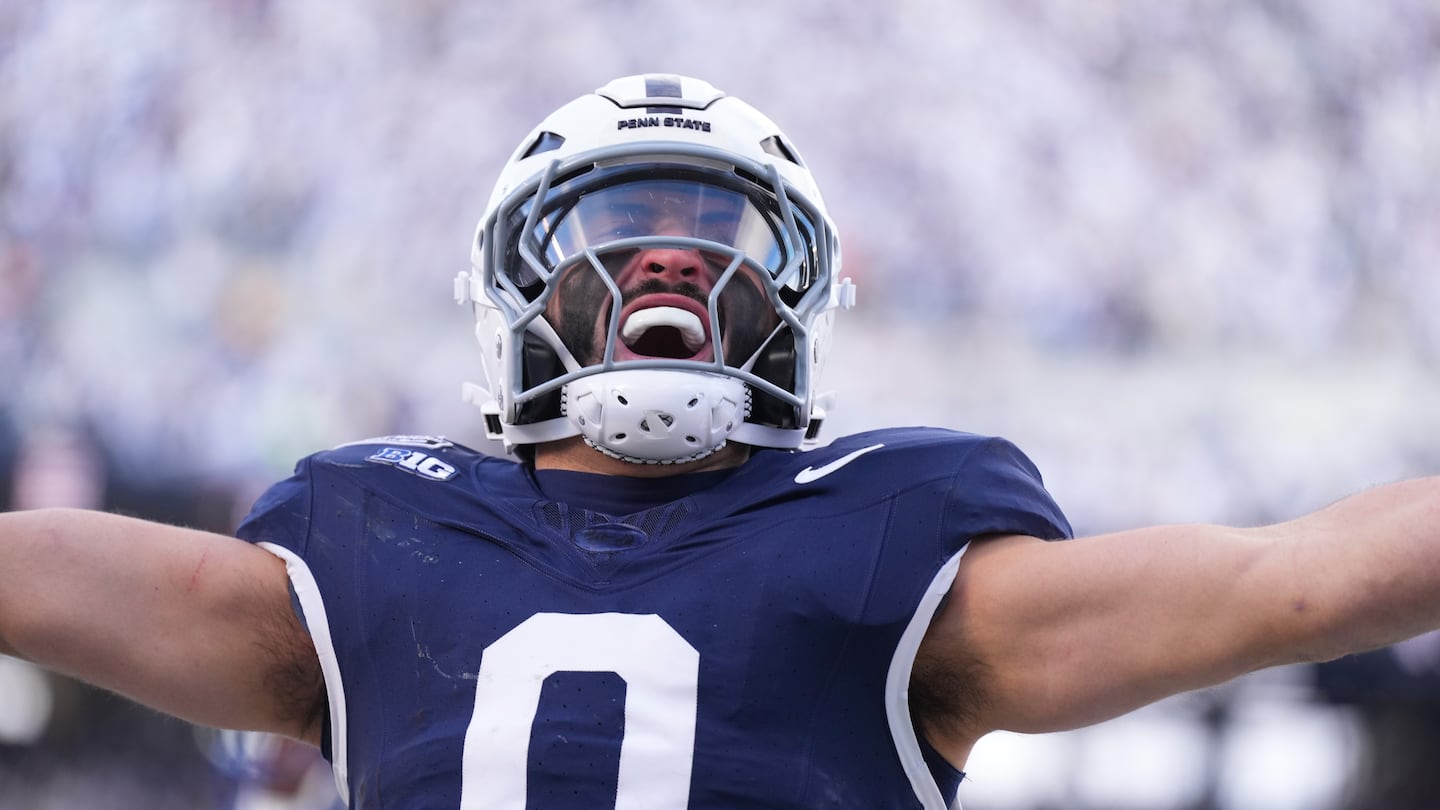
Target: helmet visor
[665,208]
[605,209]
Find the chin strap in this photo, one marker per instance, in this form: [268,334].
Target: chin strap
[656,416]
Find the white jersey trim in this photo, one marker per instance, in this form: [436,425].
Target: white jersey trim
[308,592]
[897,689]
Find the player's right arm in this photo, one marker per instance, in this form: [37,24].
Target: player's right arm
[194,624]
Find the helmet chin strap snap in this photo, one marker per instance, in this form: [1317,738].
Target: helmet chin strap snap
[656,416]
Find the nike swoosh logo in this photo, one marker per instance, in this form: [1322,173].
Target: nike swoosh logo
[809,474]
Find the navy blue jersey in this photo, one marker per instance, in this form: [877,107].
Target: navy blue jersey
[740,639]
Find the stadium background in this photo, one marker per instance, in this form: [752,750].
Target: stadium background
[1187,255]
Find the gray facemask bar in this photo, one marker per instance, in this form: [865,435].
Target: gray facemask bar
[591,256]
[521,314]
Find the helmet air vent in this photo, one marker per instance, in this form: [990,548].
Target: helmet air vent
[776,146]
[544,142]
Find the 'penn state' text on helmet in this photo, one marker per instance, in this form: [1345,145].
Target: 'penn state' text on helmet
[656,272]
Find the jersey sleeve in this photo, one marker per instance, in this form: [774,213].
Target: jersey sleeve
[282,514]
[997,489]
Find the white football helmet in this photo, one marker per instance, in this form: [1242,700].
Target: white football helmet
[655,272]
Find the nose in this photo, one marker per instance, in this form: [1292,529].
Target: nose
[671,265]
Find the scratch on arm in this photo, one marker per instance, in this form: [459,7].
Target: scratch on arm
[195,576]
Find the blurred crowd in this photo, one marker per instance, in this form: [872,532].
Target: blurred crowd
[1186,254]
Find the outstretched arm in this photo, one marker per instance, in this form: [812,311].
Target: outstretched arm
[194,624]
[1050,636]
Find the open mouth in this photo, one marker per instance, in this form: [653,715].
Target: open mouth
[665,326]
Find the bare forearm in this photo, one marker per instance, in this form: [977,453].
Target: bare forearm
[1367,568]
[22,540]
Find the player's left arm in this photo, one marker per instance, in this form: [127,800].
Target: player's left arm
[1050,636]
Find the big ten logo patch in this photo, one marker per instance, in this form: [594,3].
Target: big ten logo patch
[414,461]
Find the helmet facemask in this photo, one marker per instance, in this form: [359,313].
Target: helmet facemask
[658,268]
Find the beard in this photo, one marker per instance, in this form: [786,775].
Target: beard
[583,294]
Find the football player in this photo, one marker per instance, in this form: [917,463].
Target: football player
[665,599]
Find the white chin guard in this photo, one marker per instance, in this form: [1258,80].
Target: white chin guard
[656,416]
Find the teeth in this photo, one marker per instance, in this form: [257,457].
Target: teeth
[687,322]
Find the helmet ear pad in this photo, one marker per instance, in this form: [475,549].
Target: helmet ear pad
[539,365]
[775,364]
